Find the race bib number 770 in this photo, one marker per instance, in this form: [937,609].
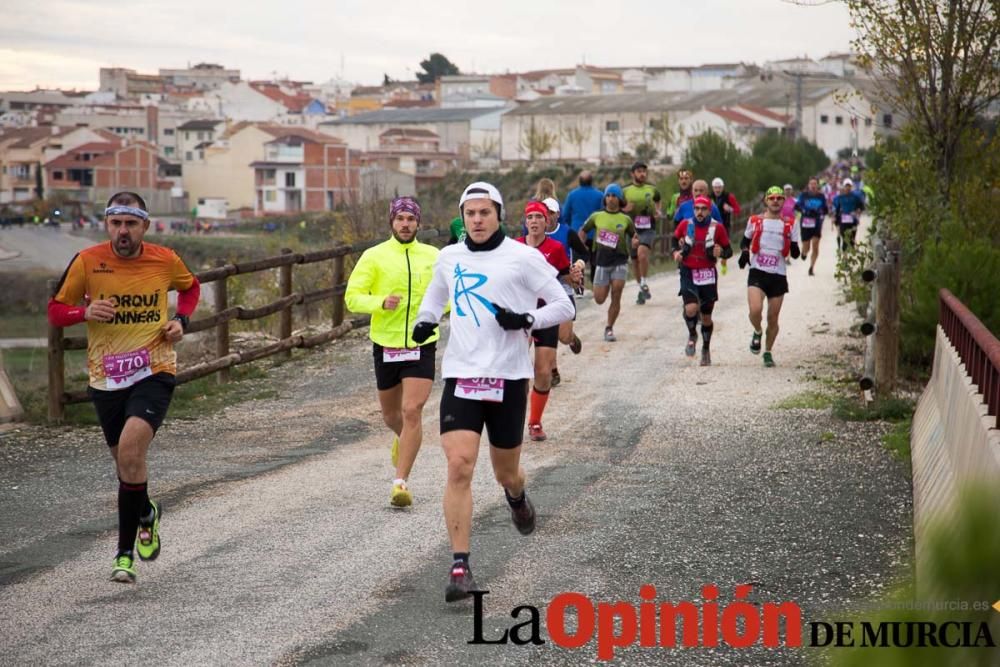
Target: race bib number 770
[125,369]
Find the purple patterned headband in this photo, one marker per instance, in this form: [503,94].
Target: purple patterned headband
[404,205]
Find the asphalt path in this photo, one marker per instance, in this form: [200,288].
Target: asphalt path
[279,546]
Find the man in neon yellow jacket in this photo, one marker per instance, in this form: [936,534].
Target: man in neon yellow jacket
[389,281]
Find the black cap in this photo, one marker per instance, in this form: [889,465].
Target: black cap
[639,164]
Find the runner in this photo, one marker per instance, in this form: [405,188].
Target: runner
[610,253]
[130,356]
[788,209]
[457,229]
[728,207]
[685,210]
[812,205]
[643,206]
[572,245]
[546,340]
[493,284]
[580,203]
[683,194]
[847,206]
[389,282]
[767,242]
[698,242]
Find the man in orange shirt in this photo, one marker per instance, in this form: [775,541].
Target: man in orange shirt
[122,286]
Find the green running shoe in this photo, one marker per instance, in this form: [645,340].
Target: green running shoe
[768,360]
[124,570]
[147,539]
[755,342]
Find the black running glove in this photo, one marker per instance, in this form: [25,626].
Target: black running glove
[422,331]
[744,260]
[510,320]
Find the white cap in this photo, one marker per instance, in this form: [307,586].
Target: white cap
[718,182]
[481,190]
[551,204]
[788,186]
[847,181]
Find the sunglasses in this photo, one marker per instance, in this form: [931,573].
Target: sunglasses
[776,198]
[701,208]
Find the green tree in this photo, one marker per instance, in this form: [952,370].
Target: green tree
[436,65]
[936,62]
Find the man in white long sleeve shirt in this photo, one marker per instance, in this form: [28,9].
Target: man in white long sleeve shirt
[494,284]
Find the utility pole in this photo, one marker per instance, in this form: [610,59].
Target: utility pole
[798,105]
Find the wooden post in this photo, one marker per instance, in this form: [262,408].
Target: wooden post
[10,407]
[56,368]
[222,329]
[285,285]
[887,319]
[338,299]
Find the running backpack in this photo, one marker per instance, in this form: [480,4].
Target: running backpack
[756,224]
[709,236]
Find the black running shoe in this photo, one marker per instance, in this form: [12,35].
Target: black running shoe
[460,583]
[755,342]
[576,345]
[555,377]
[523,516]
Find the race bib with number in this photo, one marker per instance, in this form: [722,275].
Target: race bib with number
[126,368]
[767,261]
[606,238]
[643,222]
[846,219]
[394,354]
[808,223]
[479,389]
[703,276]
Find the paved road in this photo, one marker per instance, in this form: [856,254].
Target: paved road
[39,248]
[279,546]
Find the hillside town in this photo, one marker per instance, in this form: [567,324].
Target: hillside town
[206,142]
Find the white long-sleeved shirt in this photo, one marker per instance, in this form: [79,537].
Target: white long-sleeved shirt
[513,276]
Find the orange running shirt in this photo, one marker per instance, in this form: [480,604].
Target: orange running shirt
[132,346]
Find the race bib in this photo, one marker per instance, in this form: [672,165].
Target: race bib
[606,238]
[703,276]
[643,222]
[767,261]
[392,355]
[479,389]
[126,368]
[846,219]
[808,223]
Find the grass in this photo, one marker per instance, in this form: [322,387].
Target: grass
[25,325]
[28,372]
[890,409]
[897,440]
[808,400]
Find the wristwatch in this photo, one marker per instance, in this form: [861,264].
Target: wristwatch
[183,319]
[531,320]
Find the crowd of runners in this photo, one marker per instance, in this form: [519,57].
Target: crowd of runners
[509,302]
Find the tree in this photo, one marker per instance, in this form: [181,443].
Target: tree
[536,142]
[577,135]
[936,62]
[436,65]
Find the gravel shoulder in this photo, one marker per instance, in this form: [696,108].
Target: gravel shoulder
[279,546]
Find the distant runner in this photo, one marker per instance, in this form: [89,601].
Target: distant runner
[812,205]
[642,204]
[767,243]
[609,251]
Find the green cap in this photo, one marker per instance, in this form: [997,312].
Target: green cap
[774,190]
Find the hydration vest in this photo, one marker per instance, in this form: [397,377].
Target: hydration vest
[756,224]
[709,236]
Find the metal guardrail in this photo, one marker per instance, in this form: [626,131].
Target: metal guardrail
[977,347]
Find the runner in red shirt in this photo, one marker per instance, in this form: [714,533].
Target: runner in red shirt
[698,243]
[536,216]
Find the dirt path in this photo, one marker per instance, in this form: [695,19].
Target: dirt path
[280,547]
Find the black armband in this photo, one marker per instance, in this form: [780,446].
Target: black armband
[727,251]
[795,252]
[744,243]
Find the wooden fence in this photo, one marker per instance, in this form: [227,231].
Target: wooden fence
[225,313]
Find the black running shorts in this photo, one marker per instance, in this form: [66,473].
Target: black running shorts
[147,399]
[504,420]
[691,293]
[389,374]
[547,337]
[772,284]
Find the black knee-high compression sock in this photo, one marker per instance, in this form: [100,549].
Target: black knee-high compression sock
[706,334]
[131,498]
[692,324]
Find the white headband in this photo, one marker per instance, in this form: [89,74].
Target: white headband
[118,209]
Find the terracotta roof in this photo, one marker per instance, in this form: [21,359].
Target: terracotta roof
[294,103]
[74,158]
[767,113]
[24,137]
[734,116]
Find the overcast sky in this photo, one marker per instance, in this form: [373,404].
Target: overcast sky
[63,43]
